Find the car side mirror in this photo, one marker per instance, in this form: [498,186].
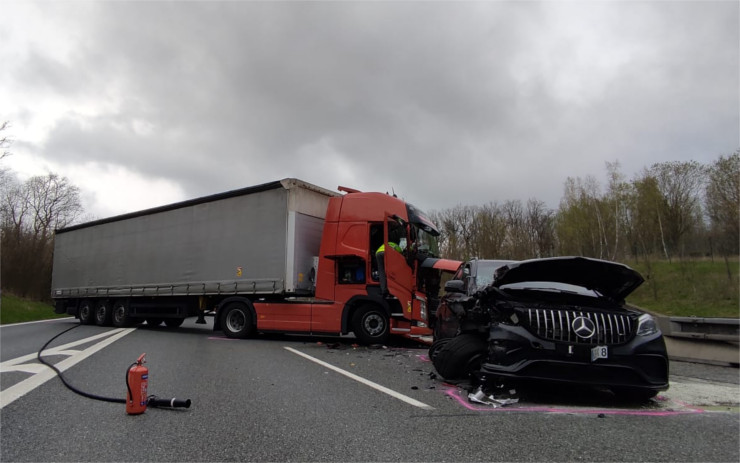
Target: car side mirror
[455,286]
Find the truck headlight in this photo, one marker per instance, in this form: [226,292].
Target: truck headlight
[646,325]
[422,308]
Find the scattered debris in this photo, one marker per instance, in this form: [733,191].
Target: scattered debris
[482,397]
[377,346]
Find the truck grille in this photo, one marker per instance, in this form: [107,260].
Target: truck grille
[557,325]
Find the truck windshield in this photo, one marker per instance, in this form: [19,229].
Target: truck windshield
[426,242]
[426,231]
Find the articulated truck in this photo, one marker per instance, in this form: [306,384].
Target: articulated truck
[285,256]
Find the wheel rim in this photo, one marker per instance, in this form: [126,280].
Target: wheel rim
[119,313]
[85,312]
[236,320]
[374,324]
[100,313]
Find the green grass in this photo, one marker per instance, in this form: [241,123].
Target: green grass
[15,309]
[700,288]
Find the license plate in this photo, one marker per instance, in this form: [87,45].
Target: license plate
[599,352]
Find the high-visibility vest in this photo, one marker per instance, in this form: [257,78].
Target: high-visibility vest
[393,246]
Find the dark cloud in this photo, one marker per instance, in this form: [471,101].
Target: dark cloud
[445,103]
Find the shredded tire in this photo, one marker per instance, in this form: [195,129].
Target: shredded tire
[460,356]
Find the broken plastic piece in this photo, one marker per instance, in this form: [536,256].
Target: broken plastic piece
[481,397]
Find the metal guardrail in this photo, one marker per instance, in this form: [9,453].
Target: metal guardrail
[713,329]
[714,341]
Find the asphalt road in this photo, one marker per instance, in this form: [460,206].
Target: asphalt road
[287,398]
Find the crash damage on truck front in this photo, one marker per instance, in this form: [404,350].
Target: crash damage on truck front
[557,320]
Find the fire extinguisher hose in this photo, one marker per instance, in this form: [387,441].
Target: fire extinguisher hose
[71,387]
[152,401]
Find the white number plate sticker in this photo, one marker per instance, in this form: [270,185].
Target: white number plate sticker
[599,352]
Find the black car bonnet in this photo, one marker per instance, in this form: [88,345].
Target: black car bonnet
[610,279]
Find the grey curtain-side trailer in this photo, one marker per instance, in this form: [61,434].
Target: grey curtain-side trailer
[171,262]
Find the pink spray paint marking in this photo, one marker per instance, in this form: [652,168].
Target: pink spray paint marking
[461,398]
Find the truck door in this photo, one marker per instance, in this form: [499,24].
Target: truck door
[399,274]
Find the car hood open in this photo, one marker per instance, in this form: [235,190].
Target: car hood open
[610,279]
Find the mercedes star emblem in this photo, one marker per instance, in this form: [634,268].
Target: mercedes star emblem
[583,327]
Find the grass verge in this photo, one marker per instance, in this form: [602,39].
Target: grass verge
[699,288]
[15,310]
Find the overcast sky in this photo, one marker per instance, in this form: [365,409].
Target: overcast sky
[146,103]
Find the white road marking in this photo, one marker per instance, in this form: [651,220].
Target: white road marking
[8,325]
[60,349]
[364,381]
[9,395]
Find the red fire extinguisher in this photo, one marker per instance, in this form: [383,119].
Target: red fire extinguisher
[137,380]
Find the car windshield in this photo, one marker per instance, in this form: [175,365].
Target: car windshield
[485,271]
[484,275]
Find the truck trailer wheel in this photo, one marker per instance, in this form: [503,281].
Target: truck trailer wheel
[103,313]
[460,356]
[86,313]
[236,321]
[121,317]
[370,325]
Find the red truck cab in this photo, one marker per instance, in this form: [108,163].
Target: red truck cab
[347,294]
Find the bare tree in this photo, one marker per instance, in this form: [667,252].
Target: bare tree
[723,205]
[680,184]
[31,211]
[4,140]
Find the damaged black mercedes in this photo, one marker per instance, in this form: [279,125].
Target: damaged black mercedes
[560,319]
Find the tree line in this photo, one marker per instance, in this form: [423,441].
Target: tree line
[670,210]
[30,212]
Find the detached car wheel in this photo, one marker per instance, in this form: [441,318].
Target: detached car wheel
[436,346]
[460,356]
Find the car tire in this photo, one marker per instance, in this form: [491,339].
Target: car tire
[460,356]
[436,346]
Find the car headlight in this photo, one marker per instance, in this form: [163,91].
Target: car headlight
[646,325]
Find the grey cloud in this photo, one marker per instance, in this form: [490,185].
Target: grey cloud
[424,98]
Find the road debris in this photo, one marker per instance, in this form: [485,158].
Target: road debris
[481,397]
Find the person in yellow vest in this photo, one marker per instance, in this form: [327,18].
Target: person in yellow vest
[380,258]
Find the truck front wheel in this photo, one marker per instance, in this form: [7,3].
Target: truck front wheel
[370,325]
[236,321]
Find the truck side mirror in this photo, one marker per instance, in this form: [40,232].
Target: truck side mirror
[455,286]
